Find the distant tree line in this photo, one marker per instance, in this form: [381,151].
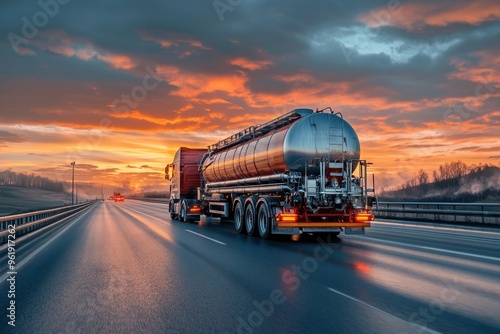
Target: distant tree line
[10,178]
[150,194]
[451,181]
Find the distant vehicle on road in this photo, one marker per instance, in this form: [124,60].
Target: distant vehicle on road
[119,198]
[111,198]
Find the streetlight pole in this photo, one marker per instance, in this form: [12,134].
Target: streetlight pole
[73,184]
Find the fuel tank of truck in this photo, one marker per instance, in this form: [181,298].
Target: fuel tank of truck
[294,147]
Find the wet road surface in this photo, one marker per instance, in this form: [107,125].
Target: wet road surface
[127,268]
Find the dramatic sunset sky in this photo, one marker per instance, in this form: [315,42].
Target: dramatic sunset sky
[118,86]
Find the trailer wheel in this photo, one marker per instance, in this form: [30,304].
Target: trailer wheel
[250,218]
[263,221]
[238,217]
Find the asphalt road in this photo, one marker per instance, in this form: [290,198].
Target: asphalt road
[127,268]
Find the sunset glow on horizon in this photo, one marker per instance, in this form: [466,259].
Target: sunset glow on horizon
[119,88]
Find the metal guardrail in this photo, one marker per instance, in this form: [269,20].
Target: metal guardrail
[153,200]
[484,213]
[26,222]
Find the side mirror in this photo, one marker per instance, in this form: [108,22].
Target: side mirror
[169,171]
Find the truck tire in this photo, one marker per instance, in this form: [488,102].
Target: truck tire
[183,215]
[250,223]
[263,221]
[171,210]
[239,223]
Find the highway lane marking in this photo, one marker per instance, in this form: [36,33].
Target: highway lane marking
[458,235]
[20,264]
[428,330]
[150,225]
[204,236]
[484,257]
[190,231]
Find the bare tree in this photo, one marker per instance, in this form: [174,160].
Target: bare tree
[423,177]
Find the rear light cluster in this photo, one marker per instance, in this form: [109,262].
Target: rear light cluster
[287,217]
[195,208]
[293,217]
[363,217]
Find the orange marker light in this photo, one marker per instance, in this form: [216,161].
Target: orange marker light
[363,217]
[195,209]
[287,217]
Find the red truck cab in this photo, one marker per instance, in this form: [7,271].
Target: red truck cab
[185,179]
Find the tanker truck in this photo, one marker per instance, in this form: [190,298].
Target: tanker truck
[298,173]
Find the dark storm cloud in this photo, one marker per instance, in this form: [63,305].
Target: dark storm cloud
[402,72]
[295,37]
[117,25]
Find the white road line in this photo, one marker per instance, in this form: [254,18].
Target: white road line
[462,253]
[453,228]
[438,232]
[19,265]
[484,257]
[204,236]
[428,330]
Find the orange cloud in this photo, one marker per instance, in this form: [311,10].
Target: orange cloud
[305,90]
[184,109]
[61,43]
[192,85]
[167,43]
[120,62]
[311,92]
[135,114]
[486,71]
[251,65]
[252,119]
[211,101]
[216,115]
[88,53]
[412,16]
[301,77]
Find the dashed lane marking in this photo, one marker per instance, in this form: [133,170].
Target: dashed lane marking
[484,257]
[204,236]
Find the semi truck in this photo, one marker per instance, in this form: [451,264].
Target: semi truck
[298,173]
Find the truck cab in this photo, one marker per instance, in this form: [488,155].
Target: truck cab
[185,179]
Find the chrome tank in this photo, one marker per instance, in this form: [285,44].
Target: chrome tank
[313,137]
